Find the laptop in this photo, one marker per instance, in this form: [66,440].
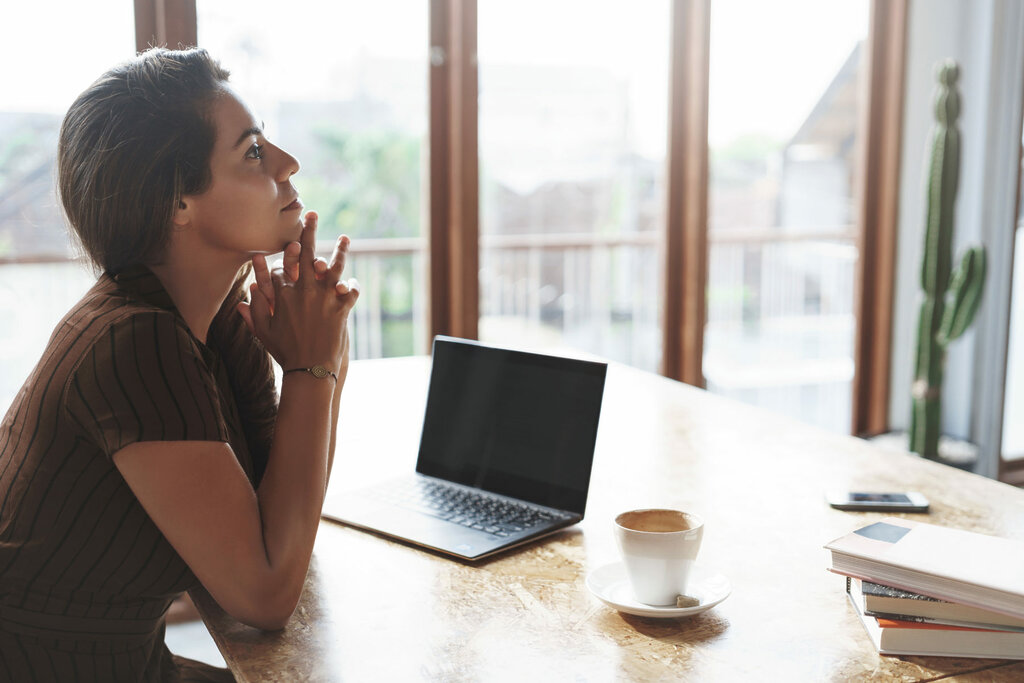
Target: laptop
[505,453]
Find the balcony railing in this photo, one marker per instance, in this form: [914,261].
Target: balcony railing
[779,306]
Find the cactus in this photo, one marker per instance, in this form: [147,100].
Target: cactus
[950,299]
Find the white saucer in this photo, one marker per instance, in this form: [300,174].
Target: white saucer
[611,586]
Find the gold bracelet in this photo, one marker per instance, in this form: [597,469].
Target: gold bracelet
[318,371]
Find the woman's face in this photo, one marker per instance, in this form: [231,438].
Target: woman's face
[250,206]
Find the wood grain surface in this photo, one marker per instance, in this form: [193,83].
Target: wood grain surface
[374,609]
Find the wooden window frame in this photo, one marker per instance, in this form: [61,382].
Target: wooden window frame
[878,204]
[686,205]
[1011,471]
[165,23]
[454,170]
[686,225]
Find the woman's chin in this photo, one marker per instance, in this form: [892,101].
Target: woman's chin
[296,231]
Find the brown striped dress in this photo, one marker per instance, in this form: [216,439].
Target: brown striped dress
[85,575]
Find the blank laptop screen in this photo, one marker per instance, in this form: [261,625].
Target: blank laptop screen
[515,423]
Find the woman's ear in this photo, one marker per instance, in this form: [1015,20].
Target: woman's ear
[182,213]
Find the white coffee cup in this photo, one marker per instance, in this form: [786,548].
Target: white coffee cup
[659,548]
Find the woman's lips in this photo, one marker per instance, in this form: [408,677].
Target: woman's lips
[294,206]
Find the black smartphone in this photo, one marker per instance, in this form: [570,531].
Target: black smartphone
[907,501]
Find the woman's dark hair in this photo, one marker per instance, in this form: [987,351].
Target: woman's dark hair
[131,146]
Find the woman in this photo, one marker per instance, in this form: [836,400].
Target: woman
[147,451]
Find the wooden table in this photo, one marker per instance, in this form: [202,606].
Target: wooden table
[375,610]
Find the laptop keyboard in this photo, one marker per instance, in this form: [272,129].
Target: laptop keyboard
[467,507]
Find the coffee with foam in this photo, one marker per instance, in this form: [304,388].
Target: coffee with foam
[657,521]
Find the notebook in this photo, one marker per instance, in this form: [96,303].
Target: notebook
[505,453]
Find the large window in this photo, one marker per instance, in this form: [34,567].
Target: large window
[346,94]
[578,227]
[40,79]
[1013,409]
[572,160]
[1012,447]
[786,86]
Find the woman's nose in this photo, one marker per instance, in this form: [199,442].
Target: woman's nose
[289,166]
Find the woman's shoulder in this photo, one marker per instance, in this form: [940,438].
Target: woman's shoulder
[112,340]
[109,313]
[110,326]
[136,363]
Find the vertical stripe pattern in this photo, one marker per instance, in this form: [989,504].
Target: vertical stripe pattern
[85,575]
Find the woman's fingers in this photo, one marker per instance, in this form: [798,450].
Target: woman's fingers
[259,312]
[262,272]
[279,280]
[348,292]
[338,258]
[292,311]
[308,240]
[345,286]
[291,260]
[261,296]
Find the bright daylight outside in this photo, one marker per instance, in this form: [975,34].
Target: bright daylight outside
[785,95]
[573,124]
[38,282]
[573,107]
[1013,408]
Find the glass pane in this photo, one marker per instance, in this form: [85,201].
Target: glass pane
[573,102]
[1013,405]
[785,92]
[39,81]
[48,62]
[342,85]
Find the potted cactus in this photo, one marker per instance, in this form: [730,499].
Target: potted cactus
[951,298]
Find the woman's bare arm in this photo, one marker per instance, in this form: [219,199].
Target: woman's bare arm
[251,549]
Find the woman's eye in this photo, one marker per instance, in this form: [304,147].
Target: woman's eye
[255,152]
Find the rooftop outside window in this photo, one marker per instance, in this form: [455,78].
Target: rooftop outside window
[785,99]
[573,126]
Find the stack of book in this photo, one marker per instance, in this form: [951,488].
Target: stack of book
[921,589]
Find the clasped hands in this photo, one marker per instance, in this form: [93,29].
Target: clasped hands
[299,310]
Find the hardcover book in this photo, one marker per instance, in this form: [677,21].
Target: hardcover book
[958,566]
[886,602]
[893,637]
